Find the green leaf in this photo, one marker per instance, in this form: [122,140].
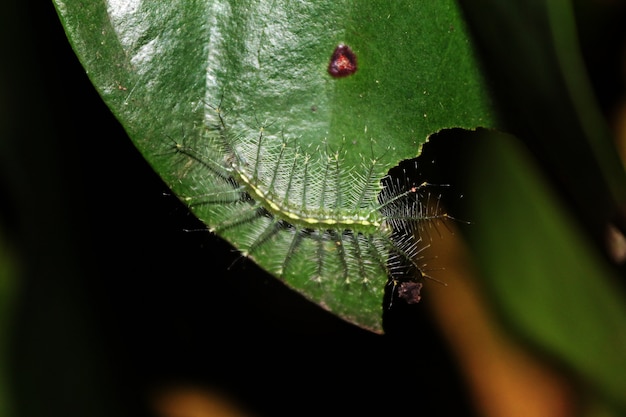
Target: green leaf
[544,219]
[208,78]
[547,280]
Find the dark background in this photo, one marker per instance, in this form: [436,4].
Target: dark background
[115,301]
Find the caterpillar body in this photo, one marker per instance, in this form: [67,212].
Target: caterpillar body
[307,217]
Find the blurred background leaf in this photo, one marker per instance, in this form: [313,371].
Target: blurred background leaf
[544,204]
[542,273]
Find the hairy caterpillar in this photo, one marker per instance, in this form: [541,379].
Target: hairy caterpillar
[308,217]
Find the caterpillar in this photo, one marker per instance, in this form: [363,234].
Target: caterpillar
[307,216]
